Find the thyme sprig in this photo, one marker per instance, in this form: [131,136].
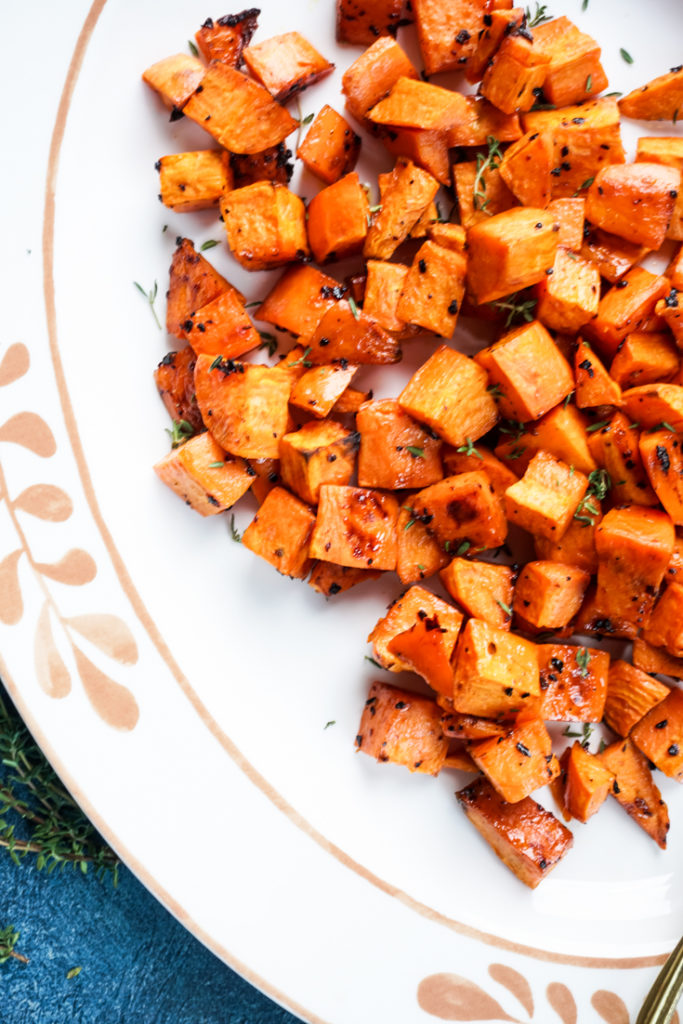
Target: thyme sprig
[151,299]
[538,17]
[517,308]
[599,483]
[490,162]
[8,939]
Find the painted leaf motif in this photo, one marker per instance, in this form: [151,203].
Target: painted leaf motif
[450,997]
[30,431]
[610,1006]
[75,568]
[53,675]
[45,501]
[562,1002]
[115,704]
[14,365]
[514,982]
[109,633]
[11,603]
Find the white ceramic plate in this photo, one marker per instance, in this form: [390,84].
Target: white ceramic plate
[182,688]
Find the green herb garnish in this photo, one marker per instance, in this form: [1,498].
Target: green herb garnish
[151,298]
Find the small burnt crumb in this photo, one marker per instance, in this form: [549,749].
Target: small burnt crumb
[557,664]
[188,325]
[671,300]
[453,308]
[422,266]
[334,588]
[673,750]
[400,705]
[508,691]
[616,787]
[543,863]
[176,114]
[359,740]
[588,367]
[663,724]
[488,20]
[463,36]
[523,750]
[333,291]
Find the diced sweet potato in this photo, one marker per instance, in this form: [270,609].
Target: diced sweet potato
[659,735]
[331,147]
[175,78]
[265,224]
[497,25]
[194,181]
[644,359]
[447,31]
[653,659]
[450,236]
[298,300]
[449,394]
[670,152]
[659,100]
[594,386]
[624,308]
[481,192]
[319,389]
[665,628]
[569,297]
[527,838]
[518,763]
[416,605]
[545,499]
[464,461]
[286,64]
[470,727]
[663,462]
[355,527]
[207,479]
[174,378]
[372,75]
[496,673]
[482,589]
[266,476]
[245,406]
[670,311]
[238,112]
[427,149]
[569,213]
[419,554]
[221,327]
[510,251]
[577,544]
[549,594]
[635,789]
[413,103]
[330,579]
[280,532]
[317,454]
[615,448]
[573,683]
[631,693]
[362,22]
[588,783]
[382,292]
[561,432]
[478,120]
[652,188]
[426,647]
[529,370]
[338,219]
[433,289]
[395,451]
[460,761]
[403,728]
[613,256]
[271,164]
[407,195]
[224,39]
[462,507]
[346,334]
[525,168]
[653,404]
[575,72]
[515,74]
[192,283]
[594,621]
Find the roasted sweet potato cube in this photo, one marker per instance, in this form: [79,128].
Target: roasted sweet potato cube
[346,334]
[433,289]
[382,291]
[221,328]
[613,256]
[469,727]
[426,647]
[413,103]
[674,272]
[319,389]
[634,546]
[659,100]
[631,693]
[527,838]
[238,112]
[492,195]
[575,72]
[478,120]
[462,507]
[285,64]
[419,554]
[635,790]
[518,763]
[594,621]
[245,406]
[225,38]
[416,605]
[514,76]
[644,359]
[653,404]
[338,219]
[569,297]
[265,224]
[549,594]
[653,659]
[201,473]
[618,189]
[497,25]
[280,532]
[317,454]
[496,673]
[192,283]
[395,451]
[298,300]
[624,308]
[174,378]
[407,195]
[427,149]
[402,727]
[545,499]
[266,477]
[561,432]
[194,181]
[573,683]
[529,370]
[464,460]
[569,213]
[271,164]
[175,78]
[350,401]
[510,251]
[450,236]
[449,394]
[588,783]
[331,147]
[355,526]
[577,544]
[615,448]
[594,386]
[330,579]
[361,22]
[482,589]
[447,31]
[670,152]
[670,311]
[665,628]
[525,168]
[663,462]
[372,75]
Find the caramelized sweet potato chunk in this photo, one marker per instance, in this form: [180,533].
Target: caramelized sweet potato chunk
[515,74]
[403,728]
[661,455]
[395,451]
[659,100]
[330,579]
[346,334]
[265,224]
[652,659]
[518,763]
[496,673]
[298,300]
[574,72]
[510,251]
[201,473]
[360,21]
[561,432]
[631,693]
[573,683]
[624,308]
[588,783]
[545,499]
[192,283]
[645,358]
[382,292]
[318,390]
[355,526]
[525,168]
[419,554]
[549,594]
[447,31]
[653,404]
[175,78]
[174,378]
[482,589]
[409,192]
[271,164]
[462,507]
[416,605]
[280,532]
[317,454]
[221,327]
[194,181]
[615,448]
[635,789]
[488,182]
[659,735]
[570,296]
[433,289]
[618,189]
[225,38]
[634,546]
[331,147]
[594,386]
[665,628]
[372,75]
[286,64]
[426,647]
[338,219]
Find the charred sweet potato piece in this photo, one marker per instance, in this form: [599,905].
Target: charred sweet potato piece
[525,168]
[221,327]
[569,297]
[594,386]
[192,283]
[280,532]
[362,22]
[346,334]
[449,394]
[624,308]
[447,31]
[331,147]
[631,693]
[175,79]
[481,192]
[338,219]
[549,594]
[519,762]
[659,100]
[225,38]
[395,451]
[527,838]
[319,389]
[470,727]
[569,213]
[372,75]
[478,120]
[462,507]
[652,188]
[174,378]
[416,605]
[270,164]
[594,621]
[496,673]
[573,682]
[330,579]
[661,455]
[201,473]
[285,64]
[459,461]
[561,432]
[246,406]
[588,783]
[653,659]
[404,200]
[665,628]
[382,292]
[545,499]
[426,647]
[265,224]
[510,251]
[299,299]
[355,527]
[574,72]
[412,103]
[653,404]
[635,789]
[317,454]
[238,112]
[419,554]
[670,311]
[529,370]
[644,359]
[615,448]
[659,735]
[433,289]
[515,74]
[193,181]
[403,728]
[482,589]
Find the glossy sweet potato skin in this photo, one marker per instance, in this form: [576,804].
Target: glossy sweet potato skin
[495,672]
[402,727]
[659,735]
[519,762]
[573,683]
[174,378]
[356,526]
[635,789]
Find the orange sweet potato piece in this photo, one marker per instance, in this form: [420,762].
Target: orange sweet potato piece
[426,647]
[372,75]
[317,454]
[238,112]
[549,594]
[492,194]
[361,22]
[478,119]
[661,455]
[355,527]
[577,544]
[427,149]
[617,189]
[516,72]
[529,370]
[674,271]
[665,628]
[630,695]
[192,283]
[338,219]
[561,432]
[497,24]
[207,479]
[615,448]
[569,297]
[588,783]
[280,532]
[659,100]
[545,499]
[634,546]
[246,406]
[659,735]
[670,311]
[319,389]
[525,168]
[645,359]
[193,181]
[450,236]
[573,683]
[331,147]
[433,289]
[510,251]
[382,292]
[271,164]
[329,579]
[266,476]
[395,451]
[653,404]
[470,727]
[635,789]
[460,761]
[175,79]
[569,213]
[495,671]
[419,554]
[518,763]
[594,386]
[265,224]
[670,152]
[403,728]
[449,394]
[624,308]
[345,333]
[174,377]
[575,72]
[225,38]
[407,195]
[298,300]
[412,103]
[613,256]
[457,460]
[462,507]
[653,659]
[221,327]
[527,838]
[416,605]
[447,31]
[482,589]
[286,64]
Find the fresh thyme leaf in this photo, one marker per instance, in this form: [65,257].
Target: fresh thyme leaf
[195,53]
[587,184]
[354,307]
[468,449]
[210,243]
[626,55]
[506,607]
[599,483]
[517,309]
[180,432]
[151,297]
[302,359]
[603,746]
[234,532]
[376,208]
[307,119]
[571,732]
[269,342]
[164,229]
[584,5]
[589,83]
[73,973]
[411,522]
[513,427]
[8,939]
[494,391]
[464,548]
[417,453]
[597,426]
[216,465]
[539,16]
[667,426]
[373,662]
[331,722]
[250,305]
[582,659]
[490,162]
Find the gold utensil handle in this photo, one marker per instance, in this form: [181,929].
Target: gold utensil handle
[662,998]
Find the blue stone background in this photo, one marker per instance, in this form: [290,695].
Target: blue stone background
[139,966]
